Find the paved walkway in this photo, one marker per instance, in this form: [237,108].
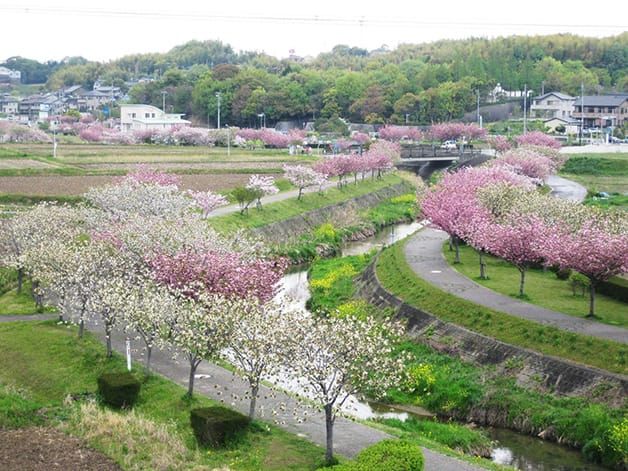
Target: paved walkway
[424,255]
[283,195]
[349,437]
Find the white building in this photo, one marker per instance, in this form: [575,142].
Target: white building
[148,117]
[10,76]
[552,105]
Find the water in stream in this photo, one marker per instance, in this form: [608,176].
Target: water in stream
[522,452]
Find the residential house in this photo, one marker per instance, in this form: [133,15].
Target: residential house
[10,76]
[40,107]
[93,100]
[8,105]
[136,116]
[499,93]
[571,126]
[601,111]
[552,105]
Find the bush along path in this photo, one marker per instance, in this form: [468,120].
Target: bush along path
[220,384]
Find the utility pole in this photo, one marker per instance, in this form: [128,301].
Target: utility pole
[525,106]
[218,97]
[163,100]
[581,111]
[478,109]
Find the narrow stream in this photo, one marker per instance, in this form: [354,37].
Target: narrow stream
[520,451]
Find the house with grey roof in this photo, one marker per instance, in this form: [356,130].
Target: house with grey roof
[552,105]
[602,111]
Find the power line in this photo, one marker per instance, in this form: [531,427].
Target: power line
[314,20]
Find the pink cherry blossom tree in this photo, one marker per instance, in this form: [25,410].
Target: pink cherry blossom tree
[499,144]
[207,201]
[143,174]
[303,177]
[520,240]
[537,138]
[262,185]
[598,249]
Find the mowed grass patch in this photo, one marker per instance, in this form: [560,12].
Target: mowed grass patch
[48,362]
[599,172]
[541,287]
[17,304]
[292,207]
[397,277]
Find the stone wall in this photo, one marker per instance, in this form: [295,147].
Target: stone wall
[291,228]
[531,369]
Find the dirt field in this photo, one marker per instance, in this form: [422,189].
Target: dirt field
[22,163]
[61,185]
[182,165]
[45,449]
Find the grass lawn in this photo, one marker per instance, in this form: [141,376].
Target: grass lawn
[45,362]
[291,207]
[541,288]
[13,303]
[599,172]
[398,278]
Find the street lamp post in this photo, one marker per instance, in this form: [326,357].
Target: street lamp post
[218,97]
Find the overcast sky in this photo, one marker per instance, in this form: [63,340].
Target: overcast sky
[53,29]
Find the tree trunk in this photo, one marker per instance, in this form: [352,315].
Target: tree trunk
[254,391]
[108,337]
[20,280]
[522,280]
[482,266]
[329,426]
[300,193]
[149,351]
[457,246]
[451,243]
[193,365]
[591,300]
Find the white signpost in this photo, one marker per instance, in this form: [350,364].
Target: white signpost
[128,354]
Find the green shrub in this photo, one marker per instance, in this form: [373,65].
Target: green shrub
[616,288]
[213,426]
[388,455]
[119,389]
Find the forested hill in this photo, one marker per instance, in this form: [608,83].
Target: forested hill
[431,81]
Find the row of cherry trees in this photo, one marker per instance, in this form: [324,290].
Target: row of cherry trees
[141,258]
[496,209]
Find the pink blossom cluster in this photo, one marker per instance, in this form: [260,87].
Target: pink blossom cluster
[225,273]
[270,137]
[455,131]
[360,138]
[303,177]
[143,174]
[12,132]
[207,201]
[378,158]
[499,143]
[397,133]
[526,162]
[262,184]
[537,138]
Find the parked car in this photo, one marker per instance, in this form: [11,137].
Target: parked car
[449,145]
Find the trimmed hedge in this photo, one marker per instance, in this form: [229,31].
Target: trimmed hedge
[616,287]
[119,389]
[213,426]
[388,455]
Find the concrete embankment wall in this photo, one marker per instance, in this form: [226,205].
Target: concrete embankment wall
[531,369]
[291,228]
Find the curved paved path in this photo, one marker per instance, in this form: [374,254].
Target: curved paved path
[423,253]
[349,437]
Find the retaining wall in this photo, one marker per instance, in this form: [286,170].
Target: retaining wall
[531,369]
[291,228]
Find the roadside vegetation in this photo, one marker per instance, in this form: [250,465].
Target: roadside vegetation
[44,365]
[543,287]
[455,389]
[397,277]
[291,207]
[600,173]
